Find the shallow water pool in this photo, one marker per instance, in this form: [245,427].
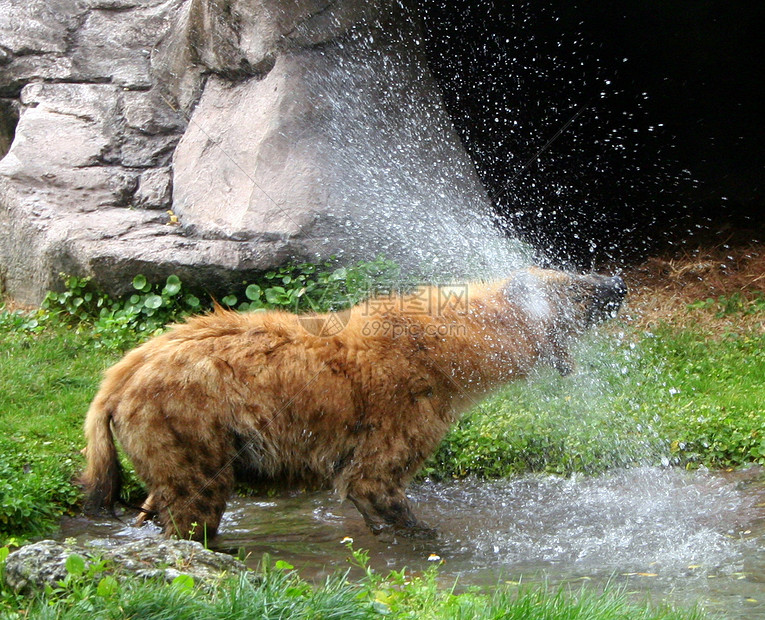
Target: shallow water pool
[683,537]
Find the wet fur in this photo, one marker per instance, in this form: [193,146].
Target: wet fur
[258,398]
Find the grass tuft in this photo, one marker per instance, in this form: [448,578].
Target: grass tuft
[280,593]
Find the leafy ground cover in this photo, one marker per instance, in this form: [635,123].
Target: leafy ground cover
[46,382]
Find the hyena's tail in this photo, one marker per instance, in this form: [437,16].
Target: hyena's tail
[102,479]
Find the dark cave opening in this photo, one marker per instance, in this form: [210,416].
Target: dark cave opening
[9,118]
[605,131]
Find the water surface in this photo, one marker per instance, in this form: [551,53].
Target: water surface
[683,537]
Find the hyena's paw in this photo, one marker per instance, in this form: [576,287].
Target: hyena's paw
[422,532]
[388,533]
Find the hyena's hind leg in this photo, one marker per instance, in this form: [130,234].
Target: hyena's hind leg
[189,477]
[147,510]
[191,506]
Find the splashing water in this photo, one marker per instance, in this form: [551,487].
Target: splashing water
[634,520]
[567,167]
[561,137]
[686,537]
[428,199]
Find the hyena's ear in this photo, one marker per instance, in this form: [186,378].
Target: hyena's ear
[527,291]
[519,284]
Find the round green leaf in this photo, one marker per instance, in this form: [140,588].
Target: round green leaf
[107,587]
[276,295]
[253,292]
[153,302]
[139,282]
[192,301]
[183,582]
[75,565]
[173,285]
[229,300]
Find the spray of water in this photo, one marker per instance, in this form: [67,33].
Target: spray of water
[560,136]
[427,196]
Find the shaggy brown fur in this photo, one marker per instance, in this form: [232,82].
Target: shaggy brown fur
[270,397]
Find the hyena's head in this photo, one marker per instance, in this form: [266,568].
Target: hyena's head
[561,305]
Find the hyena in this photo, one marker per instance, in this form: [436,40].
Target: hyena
[355,401]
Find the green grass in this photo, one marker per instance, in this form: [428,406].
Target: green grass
[276,591]
[672,396]
[678,396]
[46,383]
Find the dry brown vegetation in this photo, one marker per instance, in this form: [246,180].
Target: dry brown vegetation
[663,286]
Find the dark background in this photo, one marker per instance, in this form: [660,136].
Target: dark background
[606,130]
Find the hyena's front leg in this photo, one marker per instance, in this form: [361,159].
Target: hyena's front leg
[386,509]
[387,457]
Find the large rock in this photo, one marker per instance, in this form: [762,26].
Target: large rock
[273,130]
[33,567]
[347,150]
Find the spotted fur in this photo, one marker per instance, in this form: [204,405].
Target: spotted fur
[271,398]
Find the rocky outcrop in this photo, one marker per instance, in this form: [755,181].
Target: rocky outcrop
[40,564]
[272,131]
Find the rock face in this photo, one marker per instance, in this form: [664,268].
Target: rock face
[43,563]
[274,130]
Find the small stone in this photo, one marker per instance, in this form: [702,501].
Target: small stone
[34,566]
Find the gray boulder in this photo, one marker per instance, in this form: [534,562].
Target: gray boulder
[34,566]
[271,130]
